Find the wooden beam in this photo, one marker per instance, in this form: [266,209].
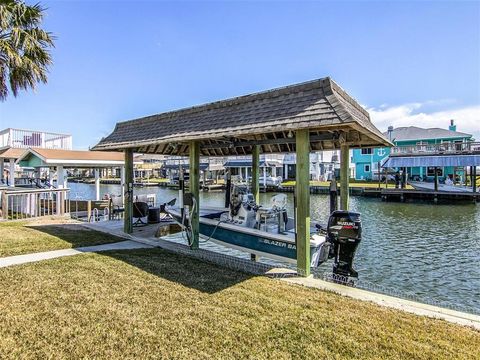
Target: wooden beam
[256,172]
[195,190]
[302,193]
[286,140]
[127,220]
[344,175]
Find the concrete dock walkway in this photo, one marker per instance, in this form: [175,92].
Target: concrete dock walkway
[413,307]
[34,257]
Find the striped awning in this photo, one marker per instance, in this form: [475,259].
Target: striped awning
[438,161]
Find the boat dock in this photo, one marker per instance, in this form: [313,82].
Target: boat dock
[405,195]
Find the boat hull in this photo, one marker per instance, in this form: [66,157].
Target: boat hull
[441,187]
[275,246]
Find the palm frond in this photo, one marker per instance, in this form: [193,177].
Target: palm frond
[24,47]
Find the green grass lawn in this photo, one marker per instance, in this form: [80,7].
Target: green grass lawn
[23,237]
[154,304]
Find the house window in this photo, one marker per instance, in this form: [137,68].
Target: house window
[367,151]
[431,171]
[421,145]
[459,145]
[366,168]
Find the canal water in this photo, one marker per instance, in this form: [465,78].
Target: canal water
[429,252]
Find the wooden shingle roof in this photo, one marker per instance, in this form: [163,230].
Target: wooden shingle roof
[269,118]
[11,153]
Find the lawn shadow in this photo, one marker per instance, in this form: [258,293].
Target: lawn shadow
[180,268]
[75,234]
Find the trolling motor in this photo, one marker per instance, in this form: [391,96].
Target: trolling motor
[344,232]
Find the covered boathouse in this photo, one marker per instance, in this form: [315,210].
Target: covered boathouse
[311,116]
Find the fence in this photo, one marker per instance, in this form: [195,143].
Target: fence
[468,147]
[91,210]
[32,203]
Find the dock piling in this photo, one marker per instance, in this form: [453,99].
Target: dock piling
[194,180]
[302,206]
[344,176]
[127,220]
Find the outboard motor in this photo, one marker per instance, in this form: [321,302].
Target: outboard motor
[344,231]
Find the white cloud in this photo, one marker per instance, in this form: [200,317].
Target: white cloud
[467,119]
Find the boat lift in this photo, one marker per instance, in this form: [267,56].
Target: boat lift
[312,116]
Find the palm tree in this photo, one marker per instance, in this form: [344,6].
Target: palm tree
[24,47]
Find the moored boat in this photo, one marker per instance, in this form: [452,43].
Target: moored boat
[421,185]
[269,232]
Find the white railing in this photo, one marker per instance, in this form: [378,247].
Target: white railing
[23,139]
[443,148]
[33,203]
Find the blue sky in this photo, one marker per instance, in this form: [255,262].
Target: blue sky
[409,63]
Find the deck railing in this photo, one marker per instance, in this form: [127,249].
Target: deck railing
[18,138]
[33,203]
[469,147]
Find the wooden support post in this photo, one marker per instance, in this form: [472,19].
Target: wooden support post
[228,187]
[255,181]
[344,176]
[473,171]
[4,205]
[379,175]
[264,177]
[11,181]
[89,211]
[97,184]
[127,220]
[256,173]
[194,189]
[302,208]
[436,178]
[122,184]
[60,177]
[2,169]
[333,195]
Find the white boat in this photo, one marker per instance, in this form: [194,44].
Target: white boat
[270,233]
[421,185]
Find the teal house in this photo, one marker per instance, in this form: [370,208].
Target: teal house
[416,140]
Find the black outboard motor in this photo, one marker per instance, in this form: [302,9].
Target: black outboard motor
[344,231]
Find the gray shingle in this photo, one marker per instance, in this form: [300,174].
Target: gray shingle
[317,105]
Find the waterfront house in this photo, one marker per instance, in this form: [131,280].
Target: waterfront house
[416,139]
[14,142]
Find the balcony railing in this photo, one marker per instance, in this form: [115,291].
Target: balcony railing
[437,149]
[18,138]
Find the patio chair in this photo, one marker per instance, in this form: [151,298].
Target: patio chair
[140,211]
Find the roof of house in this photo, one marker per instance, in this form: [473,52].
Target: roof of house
[416,133]
[432,160]
[74,158]
[11,153]
[233,126]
